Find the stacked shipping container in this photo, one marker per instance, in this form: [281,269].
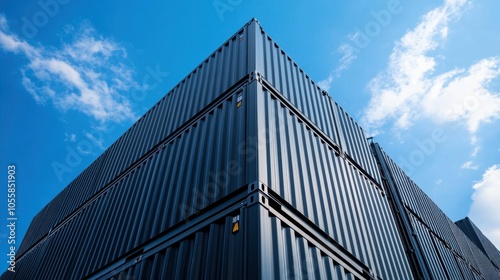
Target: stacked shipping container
[476,236]
[244,170]
[440,249]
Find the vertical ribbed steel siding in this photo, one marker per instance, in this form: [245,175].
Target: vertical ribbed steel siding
[427,247]
[356,144]
[441,241]
[211,78]
[294,257]
[296,86]
[488,271]
[194,168]
[417,201]
[483,243]
[211,253]
[288,78]
[332,193]
[447,258]
[32,261]
[215,75]
[464,246]
[32,234]
[63,204]
[179,179]
[214,252]
[467,273]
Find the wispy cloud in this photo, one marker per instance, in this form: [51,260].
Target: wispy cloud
[99,142]
[475,151]
[485,204]
[476,145]
[470,165]
[348,56]
[410,88]
[88,73]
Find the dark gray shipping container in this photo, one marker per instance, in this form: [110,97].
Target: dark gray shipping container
[244,170]
[300,163]
[222,71]
[270,242]
[218,163]
[243,55]
[438,248]
[484,244]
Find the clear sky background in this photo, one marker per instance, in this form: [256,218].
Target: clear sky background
[422,77]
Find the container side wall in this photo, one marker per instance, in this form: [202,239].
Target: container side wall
[289,79]
[201,165]
[298,88]
[300,166]
[448,252]
[215,75]
[356,145]
[212,252]
[289,255]
[483,243]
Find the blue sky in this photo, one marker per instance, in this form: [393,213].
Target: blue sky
[422,78]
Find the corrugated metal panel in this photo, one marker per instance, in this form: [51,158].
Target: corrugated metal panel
[221,70]
[326,188]
[447,258]
[427,246]
[356,145]
[217,74]
[63,204]
[467,272]
[200,165]
[224,68]
[483,243]
[187,163]
[206,251]
[488,271]
[421,205]
[210,142]
[468,228]
[464,246]
[204,255]
[211,253]
[289,79]
[33,233]
[288,254]
[295,85]
[209,249]
[440,240]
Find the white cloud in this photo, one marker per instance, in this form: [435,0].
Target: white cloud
[485,207]
[3,22]
[475,142]
[410,89]
[348,56]
[99,142]
[475,151]
[88,73]
[469,165]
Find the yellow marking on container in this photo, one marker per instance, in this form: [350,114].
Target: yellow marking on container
[239,101]
[236,227]
[236,223]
